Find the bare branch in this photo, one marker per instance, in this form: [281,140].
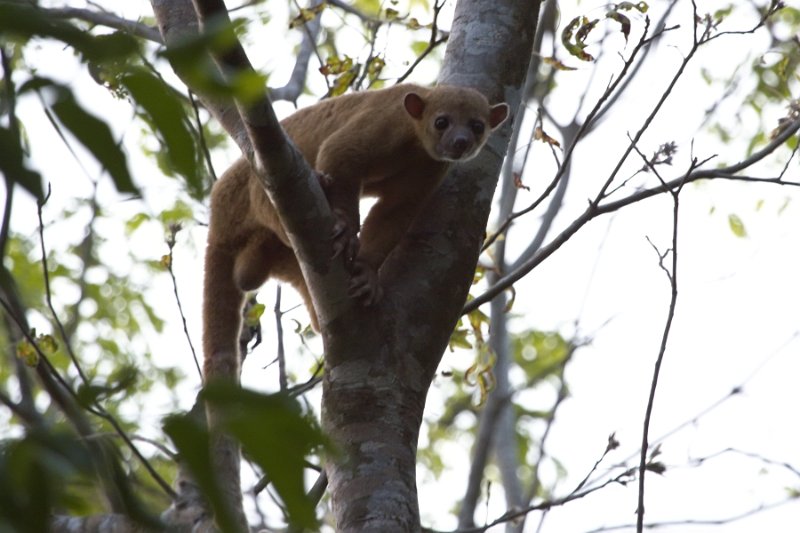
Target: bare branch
[701,522]
[578,136]
[597,208]
[672,275]
[173,232]
[109,20]
[13,126]
[308,46]
[774,7]
[433,42]
[283,381]
[621,479]
[97,409]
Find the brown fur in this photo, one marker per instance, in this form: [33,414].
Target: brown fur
[382,143]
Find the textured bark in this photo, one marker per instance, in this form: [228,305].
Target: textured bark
[380,366]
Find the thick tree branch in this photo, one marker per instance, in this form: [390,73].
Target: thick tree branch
[426,279]
[109,20]
[308,46]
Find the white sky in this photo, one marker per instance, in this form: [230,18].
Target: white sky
[736,321]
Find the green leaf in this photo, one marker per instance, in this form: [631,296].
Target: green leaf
[458,338]
[192,441]
[419,46]
[254,314]
[275,435]
[133,223]
[574,35]
[179,213]
[737,226]
[13,166]
[37,475]
[540,354]
[758,139]
[96,136]
[165,111]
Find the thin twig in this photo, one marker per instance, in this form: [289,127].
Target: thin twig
[672,276]
[433,42]
[596,112]
[171,239]
[282,379]
[701,522]
[98,410]
[202,136]
[578,136]
[774,7]
[622,479]
[13,127]
[596,210]
[48,294]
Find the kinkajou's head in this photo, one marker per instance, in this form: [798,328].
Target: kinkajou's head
[453,123]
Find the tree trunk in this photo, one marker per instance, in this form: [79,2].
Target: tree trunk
[380,365]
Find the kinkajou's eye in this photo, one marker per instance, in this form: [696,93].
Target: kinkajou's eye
[477,127]
[441,123]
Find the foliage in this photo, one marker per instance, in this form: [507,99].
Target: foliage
[35,472]
[279,443]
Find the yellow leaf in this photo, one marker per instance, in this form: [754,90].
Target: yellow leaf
[556,63]
[737,226]
[254,314]
[306,15]
[48,344]
[540,135]
[27,353]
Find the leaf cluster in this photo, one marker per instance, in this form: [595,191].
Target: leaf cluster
[115,60]
[274,432]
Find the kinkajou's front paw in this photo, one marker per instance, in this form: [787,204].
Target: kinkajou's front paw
[364,284]
[345,237]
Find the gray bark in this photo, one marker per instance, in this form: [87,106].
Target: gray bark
[379,367]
